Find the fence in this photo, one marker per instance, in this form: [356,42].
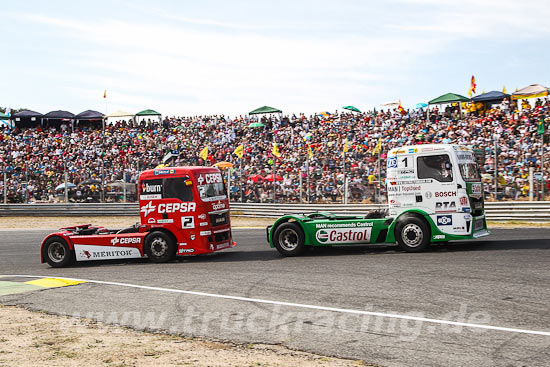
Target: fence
[529,211]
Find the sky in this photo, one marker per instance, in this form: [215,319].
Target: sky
[229,57]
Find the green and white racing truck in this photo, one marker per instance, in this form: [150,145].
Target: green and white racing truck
[435,195]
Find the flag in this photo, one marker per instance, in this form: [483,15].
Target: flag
[401,109]
[105,93]
[541,127]
[473,86]
[346,147]
[309,152]
[275,150]
[204,153]
[239,151]
[504,90]
[377,147]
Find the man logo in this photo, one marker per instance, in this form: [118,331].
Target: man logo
[322,236]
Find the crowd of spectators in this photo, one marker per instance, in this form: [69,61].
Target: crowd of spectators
[37,160]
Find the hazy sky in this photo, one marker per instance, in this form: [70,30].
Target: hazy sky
[211,57]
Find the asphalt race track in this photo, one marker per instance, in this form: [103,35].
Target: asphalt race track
[502,281]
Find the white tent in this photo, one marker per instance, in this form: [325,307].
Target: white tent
[119,115]
[531,91]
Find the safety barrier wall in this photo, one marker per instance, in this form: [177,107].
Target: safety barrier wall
[531,211]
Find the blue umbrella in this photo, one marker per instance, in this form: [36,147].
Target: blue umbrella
[421,105]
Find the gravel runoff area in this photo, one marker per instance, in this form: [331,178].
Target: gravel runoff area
[39,339]
[26,223]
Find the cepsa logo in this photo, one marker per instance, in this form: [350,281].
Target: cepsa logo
[445,194]
[125,240]
[344,235]
[168,208]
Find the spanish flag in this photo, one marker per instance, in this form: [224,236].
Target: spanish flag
[309,152]
[275,150]
[473,86]
[377,147]
[105,93]
[239,151]
[204,153]
[401,109]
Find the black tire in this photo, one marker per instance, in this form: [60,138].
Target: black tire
[412,234]
[57,253]
[160,247]
[289,239]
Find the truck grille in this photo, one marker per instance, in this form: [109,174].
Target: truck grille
[477,206]
[219,219]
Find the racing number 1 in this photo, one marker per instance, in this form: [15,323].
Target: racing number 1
[404,163]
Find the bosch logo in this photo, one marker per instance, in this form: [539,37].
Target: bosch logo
[444,220]
[428,194]
[445,194]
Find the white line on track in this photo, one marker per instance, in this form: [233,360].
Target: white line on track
[299,305]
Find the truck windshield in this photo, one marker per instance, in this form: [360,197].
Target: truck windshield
[437,167]
[469,171]
[212,192]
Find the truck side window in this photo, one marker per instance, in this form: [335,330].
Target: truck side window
[177,189]
[437,167]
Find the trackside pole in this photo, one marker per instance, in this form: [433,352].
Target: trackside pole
[5,186]
[531,169]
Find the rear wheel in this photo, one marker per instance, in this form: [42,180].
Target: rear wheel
[160,247]
[412,234]
[289,239]
[57,253]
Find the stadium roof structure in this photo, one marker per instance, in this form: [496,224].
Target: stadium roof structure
[531,91]
[264,109]
[148,113]
[494,95]
[449,98]
[89,115]
[27,114]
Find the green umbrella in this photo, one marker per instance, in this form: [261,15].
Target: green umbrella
[351,108]
[256,124]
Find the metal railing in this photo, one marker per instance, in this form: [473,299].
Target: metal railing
[529,211]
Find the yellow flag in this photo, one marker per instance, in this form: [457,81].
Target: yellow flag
[309,152]
[346,147]
[377,147]
[204,153]
[504,89]
[275,150]
[239,151]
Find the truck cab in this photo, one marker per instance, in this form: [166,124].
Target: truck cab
[441,182]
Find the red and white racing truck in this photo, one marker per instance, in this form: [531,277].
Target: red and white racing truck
[183,210]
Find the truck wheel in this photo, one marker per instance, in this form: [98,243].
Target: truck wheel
[57,253]
[413,234]
[289,239]
[159,247]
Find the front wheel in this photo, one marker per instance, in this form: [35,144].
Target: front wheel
[57,253]
[159,247]
[289,239]
[413,234]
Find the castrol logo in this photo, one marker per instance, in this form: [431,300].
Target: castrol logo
[344,235]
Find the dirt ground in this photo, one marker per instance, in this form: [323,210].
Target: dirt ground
[38,339]
[25,223]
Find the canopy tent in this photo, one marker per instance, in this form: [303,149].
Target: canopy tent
[89,115]
[147,113]
[59,115]
[531,91]
[493,96]
[26,118]
[264,109]
[119,115]
[449,98]
[5,120]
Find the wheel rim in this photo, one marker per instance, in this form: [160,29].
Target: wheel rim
[288,239]
[158,247]
[56,252]
[412,235]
